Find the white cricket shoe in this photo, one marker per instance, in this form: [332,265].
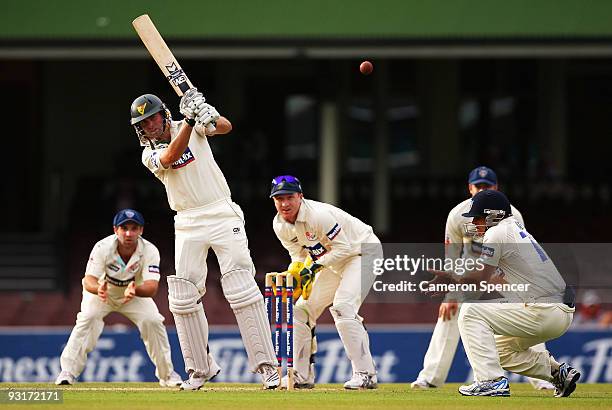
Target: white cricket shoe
[361,380]
[544,385]
[196,382]
[269,377]
[420,383]
[65,378]
[565,380]
[497,387]
[174,380]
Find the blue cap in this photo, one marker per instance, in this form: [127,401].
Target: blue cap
[128,215]
[482,175]
[285,184]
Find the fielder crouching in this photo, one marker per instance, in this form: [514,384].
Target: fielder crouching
[333,239]
[122,276]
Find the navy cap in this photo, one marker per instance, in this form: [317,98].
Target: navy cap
[285,184]
[482,175]
[128,215]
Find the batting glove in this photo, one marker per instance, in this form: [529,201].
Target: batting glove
[205,113]
[190,100]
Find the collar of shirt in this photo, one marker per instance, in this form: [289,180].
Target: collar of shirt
[133,259]
[301,216]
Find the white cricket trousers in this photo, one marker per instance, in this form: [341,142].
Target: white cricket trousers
[442,349]
[220,226]
[344,289]
[499,336]
[89,324]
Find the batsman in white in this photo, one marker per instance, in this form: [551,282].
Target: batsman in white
[178,154]
[499,335]
[122,275]
[333,239]
[458,244]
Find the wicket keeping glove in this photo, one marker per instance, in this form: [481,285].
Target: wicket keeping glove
[307,276]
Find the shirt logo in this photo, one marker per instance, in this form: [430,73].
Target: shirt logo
[185,159]
[153,269]
[236,231]
[141,108]
[316,251]
[310,236]
[134,267]
[486,251]
[334,232]
[113,267]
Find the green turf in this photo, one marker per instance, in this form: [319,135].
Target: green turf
[131,396]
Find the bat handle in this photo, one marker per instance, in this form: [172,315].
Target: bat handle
[210,128]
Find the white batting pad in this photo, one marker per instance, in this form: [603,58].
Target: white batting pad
[191,326]
[304,347]
[245,298]
[354,337]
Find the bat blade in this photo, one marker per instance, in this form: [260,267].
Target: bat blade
[161,53]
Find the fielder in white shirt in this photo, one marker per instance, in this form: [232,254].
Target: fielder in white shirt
[336,242]
[122,275]
[445,337]
[499,335]
[178,154]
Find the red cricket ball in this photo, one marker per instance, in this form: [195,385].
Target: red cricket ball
[366,67]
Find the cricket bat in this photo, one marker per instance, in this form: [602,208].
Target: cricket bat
[162,55]
[164,58]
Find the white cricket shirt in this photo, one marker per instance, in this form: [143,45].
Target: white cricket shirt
[328,234]
[106,264]
[195,179]
[522,260]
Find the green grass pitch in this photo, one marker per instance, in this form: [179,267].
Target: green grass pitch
[133,396]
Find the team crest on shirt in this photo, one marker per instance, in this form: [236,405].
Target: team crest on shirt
[185,159]
[134,267]
[310,236]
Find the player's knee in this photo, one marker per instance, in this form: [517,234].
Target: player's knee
[240,289]
[468,311]
[301,313]
[343,311]
[183,295]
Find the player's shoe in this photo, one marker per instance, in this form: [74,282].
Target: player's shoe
[65,378]
[196,382]
[544,385]
[269,377]
[497,387]
[174,380]
[420,383]
[296,385]
[361,380]
[565,380]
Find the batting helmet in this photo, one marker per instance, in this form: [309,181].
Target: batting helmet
[493,205]
[144,107]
